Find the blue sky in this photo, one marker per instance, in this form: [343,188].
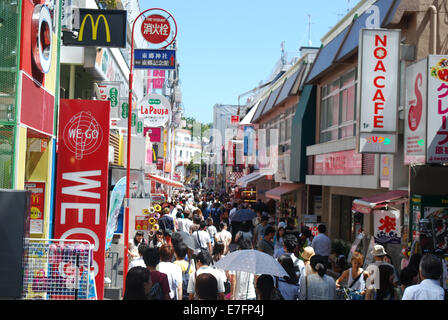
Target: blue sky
[226,48]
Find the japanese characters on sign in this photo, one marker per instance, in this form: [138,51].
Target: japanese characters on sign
[387,228]
[110,91]
[437,124]
[379,62]
[156,29]
[37,206]
[415,122]
[154,59]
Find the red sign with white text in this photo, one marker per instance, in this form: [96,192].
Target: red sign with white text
[82,177]
[156,29]
[338,163]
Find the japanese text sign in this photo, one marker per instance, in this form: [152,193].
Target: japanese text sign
[154,59]
[386,226]
[378,90]
[437,124]
[37,206]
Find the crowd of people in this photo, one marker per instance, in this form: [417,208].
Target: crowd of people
[197,229]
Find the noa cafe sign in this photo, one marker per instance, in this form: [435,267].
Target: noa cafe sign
[155,109]
[379,56]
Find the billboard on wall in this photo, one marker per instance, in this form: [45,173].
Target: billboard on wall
[379,57]
[437,122]
[415,113]
[82,177]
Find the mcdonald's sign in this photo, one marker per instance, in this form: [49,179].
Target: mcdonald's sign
[99,28]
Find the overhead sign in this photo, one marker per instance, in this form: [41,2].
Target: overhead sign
[82,177]
[159,28]
[155,109]
[99,28]
[437,123]
[387,226]
[154,59]
[415,117]
[379,56]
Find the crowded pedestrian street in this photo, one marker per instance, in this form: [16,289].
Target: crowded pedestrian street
[223,158]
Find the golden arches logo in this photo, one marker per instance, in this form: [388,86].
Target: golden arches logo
[94,27]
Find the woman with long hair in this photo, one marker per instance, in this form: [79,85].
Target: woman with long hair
[138,284]
[288,285]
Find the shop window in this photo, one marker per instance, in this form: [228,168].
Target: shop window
[338,108]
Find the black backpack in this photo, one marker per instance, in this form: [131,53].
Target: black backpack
[156,292]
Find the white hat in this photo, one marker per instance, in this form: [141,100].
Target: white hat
[281,224]
[378,251]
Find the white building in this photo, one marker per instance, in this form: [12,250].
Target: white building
[186,149]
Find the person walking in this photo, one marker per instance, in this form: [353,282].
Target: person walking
[259,230]
[139,261]
[306,255]
[206,287]
[138,284]
[354,277]
[173,271]
[203,261]
[288,285]
[224,236]
[159,280]
[430,270]
[202,238]
[290,244]
[211,229]
[133,244]
[265,289]
[266,244]
[318,285]
[322,244]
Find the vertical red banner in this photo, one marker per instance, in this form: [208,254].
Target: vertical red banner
[82,177]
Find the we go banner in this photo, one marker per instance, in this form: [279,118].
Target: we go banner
[82,177]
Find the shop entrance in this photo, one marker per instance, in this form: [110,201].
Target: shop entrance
[343,220]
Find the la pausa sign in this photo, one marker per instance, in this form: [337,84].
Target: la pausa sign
[155,109]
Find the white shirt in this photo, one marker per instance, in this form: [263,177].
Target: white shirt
[215,272]
[174,274]
[244,288]
[321,245]
[137,263]
[224,236]
[184,224]
[204,239]
[428,289]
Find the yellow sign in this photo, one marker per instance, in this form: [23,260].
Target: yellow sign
[94,27]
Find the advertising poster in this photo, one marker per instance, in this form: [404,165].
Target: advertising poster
[437,131]
[37,206]
[415,121]
[82,177]
[386,226]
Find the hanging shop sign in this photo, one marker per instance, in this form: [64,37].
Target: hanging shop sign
[386,161]
[387,228]
[154,59]
[437,123]
[416,108]
[82,177]
[155,109]
[110,91]
[159,28]
[37,206]
[379,58]
[42,37]
[99,28]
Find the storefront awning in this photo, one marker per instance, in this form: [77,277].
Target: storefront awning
[253,177]
[366,205]
[164,181]
[284,189]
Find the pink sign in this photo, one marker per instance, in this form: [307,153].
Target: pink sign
[338,163]
[155,134]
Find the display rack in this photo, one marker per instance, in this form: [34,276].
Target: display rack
[57,269]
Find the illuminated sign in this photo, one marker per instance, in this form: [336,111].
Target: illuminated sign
[100,28]
[41,41]
[379,56]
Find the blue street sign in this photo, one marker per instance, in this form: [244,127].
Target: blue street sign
[154,59]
